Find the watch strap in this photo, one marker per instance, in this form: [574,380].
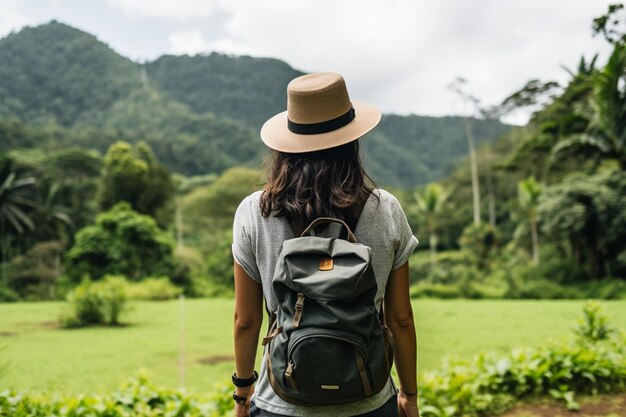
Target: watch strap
[245,382]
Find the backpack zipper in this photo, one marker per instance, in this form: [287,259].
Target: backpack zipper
[337,335]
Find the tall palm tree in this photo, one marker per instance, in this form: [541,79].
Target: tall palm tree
[457,87]
[528,194]
[430,203]
[606,135]
[12,204]
[51,215]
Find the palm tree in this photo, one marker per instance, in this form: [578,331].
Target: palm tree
[528,194]
[430,203]
[12,204]
[606,135]
[457,88]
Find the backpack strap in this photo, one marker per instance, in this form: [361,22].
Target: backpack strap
[322,220]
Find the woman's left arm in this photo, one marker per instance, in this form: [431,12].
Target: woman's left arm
[248,321]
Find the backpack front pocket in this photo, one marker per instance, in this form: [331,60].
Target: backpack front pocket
[327,363]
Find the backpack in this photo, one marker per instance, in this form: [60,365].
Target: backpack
[327,342]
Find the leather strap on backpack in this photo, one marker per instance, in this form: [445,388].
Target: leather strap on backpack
[321,220]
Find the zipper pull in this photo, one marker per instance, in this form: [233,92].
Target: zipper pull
[289,374]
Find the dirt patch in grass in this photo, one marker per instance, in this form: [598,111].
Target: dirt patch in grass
[212,360]
[5,334]
[600,406]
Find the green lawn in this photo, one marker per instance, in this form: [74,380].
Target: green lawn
[38,355]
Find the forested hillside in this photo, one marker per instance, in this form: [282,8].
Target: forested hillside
[199,114]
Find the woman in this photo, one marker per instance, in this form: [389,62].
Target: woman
[316,172]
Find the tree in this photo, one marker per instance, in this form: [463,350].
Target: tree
[605,135]
[528,194]
[457,88]
[121,241]
[611,25]
[430,203]
[133,175]
[13,203]
[587,212]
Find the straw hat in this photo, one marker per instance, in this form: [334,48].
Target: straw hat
[319,115]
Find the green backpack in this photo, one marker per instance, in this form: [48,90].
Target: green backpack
[327,342]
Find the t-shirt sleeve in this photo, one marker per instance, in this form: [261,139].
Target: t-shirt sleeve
[242,247]
[407,242]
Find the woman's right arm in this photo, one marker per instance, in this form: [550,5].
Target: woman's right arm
[399,317]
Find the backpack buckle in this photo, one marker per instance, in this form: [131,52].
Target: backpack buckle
[299,307]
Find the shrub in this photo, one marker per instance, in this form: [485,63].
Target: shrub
[154,289]
[99,302]
[593,325]
[7,294]
[489,384]
[121,241]
[138,397]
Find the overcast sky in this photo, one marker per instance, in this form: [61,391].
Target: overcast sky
[397,54]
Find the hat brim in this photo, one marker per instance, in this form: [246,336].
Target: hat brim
[276,135]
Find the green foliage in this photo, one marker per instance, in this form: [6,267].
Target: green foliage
[137,397]
[241,88]
[186,142]
[7,294]
[605,135]
[593,325]
[406,151]
[133,175]
[34,274]
[481,242]
[14,200]
[59,72]
[587,212]
[489,384]
[486,385]
[121,241]
[199,114]
[219,263]
[212,208]
[101,302]
[153,288]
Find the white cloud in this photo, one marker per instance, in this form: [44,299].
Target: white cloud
[13,16]
[190,42]
[179,9]
[398,54]
[401,54]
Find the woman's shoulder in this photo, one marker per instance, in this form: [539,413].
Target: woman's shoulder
[250,201]
[384,200]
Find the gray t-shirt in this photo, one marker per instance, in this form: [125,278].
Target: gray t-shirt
[257,241]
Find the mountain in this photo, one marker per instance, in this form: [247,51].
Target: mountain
[199,113]
[57,71]
[243,88]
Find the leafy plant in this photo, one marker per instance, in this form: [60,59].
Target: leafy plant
[593,325]
[101,302]
[153,288]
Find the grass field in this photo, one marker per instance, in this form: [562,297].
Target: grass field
[38,355]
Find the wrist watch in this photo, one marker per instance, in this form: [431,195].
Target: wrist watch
[240,399]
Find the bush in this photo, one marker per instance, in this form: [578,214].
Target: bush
[121,241]
[479,387]
[138,397]
[7,294]
[153,289]
[489,384]
[99,302]
[593,325]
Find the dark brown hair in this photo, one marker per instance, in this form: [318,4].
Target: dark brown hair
[304,186]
